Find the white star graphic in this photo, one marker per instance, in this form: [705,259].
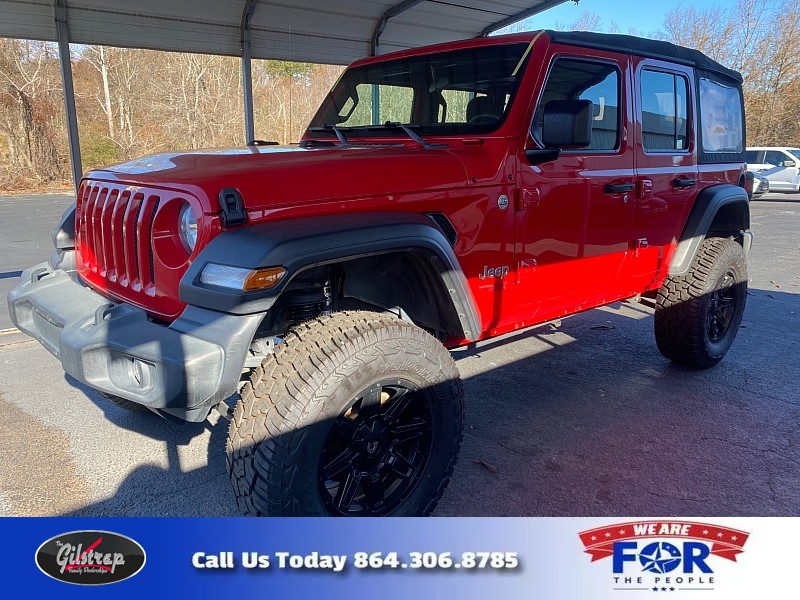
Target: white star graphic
[594,538]
[705,531]
[608,534]
[719,535]
[734,538]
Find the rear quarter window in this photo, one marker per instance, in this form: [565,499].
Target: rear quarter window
[721,118]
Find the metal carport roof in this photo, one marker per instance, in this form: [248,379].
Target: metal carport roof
[324,31]
[310,30]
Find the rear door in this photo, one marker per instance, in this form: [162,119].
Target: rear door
[574,214]
[666,165]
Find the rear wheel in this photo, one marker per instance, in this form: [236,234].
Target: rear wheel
[698,314]
[358,414]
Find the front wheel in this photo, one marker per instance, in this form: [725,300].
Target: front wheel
[357,414]
[698,314]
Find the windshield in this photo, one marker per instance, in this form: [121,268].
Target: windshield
[448,93]
[795,152]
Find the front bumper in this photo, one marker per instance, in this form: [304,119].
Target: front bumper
[182,370]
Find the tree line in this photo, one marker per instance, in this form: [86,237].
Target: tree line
[133,102]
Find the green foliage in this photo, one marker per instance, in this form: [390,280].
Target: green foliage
[295,70]
[97,150]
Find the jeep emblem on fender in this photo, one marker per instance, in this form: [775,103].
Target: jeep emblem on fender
[90,557]
[498,272]
[502,202]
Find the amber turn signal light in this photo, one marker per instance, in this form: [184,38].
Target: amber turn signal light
[263,279]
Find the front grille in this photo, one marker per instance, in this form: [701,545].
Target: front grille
[114,237]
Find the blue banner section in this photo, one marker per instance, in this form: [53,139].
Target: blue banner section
[395,559]
[215,558]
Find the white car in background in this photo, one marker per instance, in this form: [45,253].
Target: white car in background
[779,164]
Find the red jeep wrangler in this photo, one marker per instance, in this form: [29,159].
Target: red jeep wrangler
[441,196]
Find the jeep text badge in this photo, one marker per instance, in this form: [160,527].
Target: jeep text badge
[498,272]
[90,557]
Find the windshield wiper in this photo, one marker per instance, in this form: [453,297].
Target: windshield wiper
[412,134]
[335,129]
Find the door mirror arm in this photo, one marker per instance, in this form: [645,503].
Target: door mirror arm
[538,156]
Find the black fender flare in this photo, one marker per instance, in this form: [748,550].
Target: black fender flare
[706,207]
[302,243]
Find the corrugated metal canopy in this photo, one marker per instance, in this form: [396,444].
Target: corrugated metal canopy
[322,31]
[311,30]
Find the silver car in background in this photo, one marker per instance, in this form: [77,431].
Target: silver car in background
[760,184]
[779,164]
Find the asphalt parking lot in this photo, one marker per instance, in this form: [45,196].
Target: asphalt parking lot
[583,418]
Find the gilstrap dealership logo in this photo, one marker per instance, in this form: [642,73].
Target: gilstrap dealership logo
[90,557]
[663,556]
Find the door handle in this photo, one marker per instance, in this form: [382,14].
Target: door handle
[683,183]
[618,188]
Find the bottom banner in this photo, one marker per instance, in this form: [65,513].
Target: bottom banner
[452,558]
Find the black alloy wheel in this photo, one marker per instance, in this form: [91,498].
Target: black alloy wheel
[721,307]
[377,450]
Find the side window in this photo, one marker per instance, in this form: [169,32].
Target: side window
[751,156]
[775,158]
[721,117]
[664,111]
[580,80]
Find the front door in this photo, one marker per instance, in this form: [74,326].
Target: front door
[575,214]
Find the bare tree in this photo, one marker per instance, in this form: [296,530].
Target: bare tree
[30,113]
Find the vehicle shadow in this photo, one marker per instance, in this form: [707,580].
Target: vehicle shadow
[584,418]
[178,488]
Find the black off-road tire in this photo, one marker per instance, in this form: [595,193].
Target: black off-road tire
[698,314]
[126,404]
[302,408]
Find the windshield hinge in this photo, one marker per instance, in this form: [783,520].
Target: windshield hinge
[232,204]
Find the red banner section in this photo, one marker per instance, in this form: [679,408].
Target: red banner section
[725,542]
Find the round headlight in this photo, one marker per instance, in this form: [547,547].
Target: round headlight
[187,226]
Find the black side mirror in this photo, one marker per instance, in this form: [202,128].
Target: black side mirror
[567,124]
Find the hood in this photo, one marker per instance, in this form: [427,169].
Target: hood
[276,176]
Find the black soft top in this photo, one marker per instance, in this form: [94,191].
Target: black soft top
[644,47]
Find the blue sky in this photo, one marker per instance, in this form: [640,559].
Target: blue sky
[647,16]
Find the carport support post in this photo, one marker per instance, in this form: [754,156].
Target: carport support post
[247,73]
[69,92]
